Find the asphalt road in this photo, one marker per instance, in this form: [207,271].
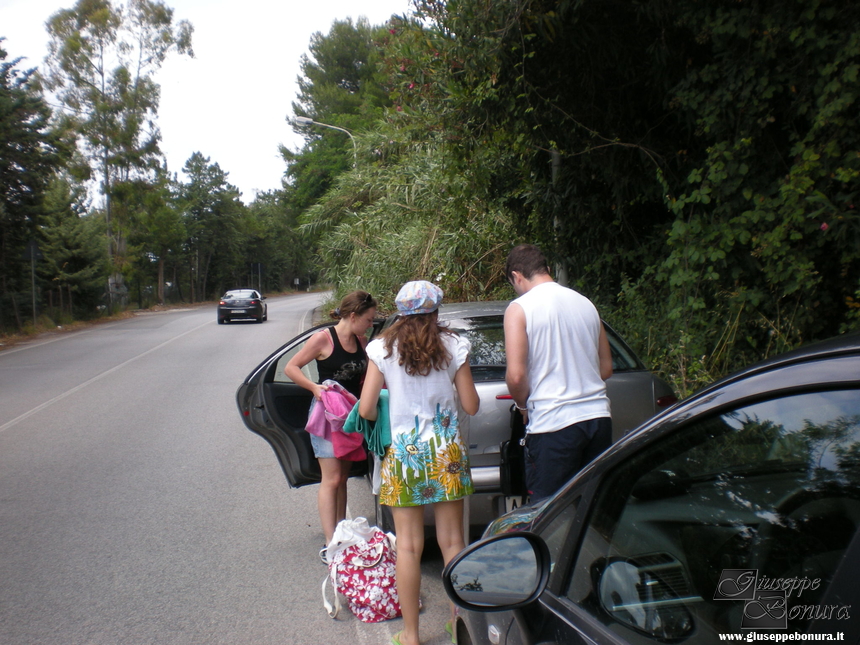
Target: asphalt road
[136,508]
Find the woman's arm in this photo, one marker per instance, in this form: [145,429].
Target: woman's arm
[314,349]
[465,385]
[373,382]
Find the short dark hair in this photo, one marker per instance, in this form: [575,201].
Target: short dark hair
[526,259]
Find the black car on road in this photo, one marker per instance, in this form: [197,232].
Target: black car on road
[242,304]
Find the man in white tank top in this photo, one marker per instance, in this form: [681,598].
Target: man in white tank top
[558,360]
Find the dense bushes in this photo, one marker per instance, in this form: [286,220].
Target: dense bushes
[691,166]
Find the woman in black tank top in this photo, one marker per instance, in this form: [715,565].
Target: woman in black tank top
[339,353]
[347,368]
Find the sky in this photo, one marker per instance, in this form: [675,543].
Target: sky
[230,101]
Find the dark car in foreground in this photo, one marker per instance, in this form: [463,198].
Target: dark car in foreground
[242,304]
[277,409]
[732,516]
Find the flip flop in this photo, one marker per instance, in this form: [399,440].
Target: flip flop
[449,627]
[395,640]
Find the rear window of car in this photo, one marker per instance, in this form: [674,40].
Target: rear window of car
[487,335]
[239,295]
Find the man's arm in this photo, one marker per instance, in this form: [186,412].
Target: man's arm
[604,354]
[517,354]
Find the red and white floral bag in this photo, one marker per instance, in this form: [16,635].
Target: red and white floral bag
[362,562]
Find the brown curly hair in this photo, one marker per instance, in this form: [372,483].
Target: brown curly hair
[419,343]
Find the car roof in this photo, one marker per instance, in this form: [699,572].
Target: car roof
[456,310]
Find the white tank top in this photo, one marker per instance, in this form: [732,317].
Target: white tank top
[563,329]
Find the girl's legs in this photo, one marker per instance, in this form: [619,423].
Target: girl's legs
[345,467]
[409,527]
[331,497]
[449,532]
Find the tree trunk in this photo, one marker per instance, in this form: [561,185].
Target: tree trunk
[177,284]
[160,289]
[206,274]
[192,286]
[17,313]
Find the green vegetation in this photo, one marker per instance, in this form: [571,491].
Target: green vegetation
[690,166]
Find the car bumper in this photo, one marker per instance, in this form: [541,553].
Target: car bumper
[238,314]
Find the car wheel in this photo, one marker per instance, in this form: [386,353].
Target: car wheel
[221,321]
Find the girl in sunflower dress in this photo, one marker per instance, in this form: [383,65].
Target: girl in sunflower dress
[426,370]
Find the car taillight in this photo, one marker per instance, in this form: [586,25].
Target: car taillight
[666,401]
[255,302]
[222,303]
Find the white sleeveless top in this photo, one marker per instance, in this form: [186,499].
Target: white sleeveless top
[563,329]
[416,400]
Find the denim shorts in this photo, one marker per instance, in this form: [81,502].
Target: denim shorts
[323,448]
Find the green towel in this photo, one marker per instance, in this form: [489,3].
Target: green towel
[377,433]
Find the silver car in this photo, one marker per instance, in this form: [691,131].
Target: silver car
[276,408]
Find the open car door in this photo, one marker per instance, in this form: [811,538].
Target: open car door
[275,408]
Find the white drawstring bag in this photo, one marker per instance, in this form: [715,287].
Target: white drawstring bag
[362,560]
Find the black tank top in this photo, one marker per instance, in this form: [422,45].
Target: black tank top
[344,367]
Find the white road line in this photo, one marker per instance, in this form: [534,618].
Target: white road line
[307,319]
[68,393]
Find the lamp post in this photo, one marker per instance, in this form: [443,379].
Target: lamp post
[303,120]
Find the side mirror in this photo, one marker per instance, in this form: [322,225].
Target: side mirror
[498,574]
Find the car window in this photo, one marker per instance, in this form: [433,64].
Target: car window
[233,295]
[623,358]
[737,521]
[487,335]
[309,370]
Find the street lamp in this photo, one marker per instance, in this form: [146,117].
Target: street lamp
[303,120]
